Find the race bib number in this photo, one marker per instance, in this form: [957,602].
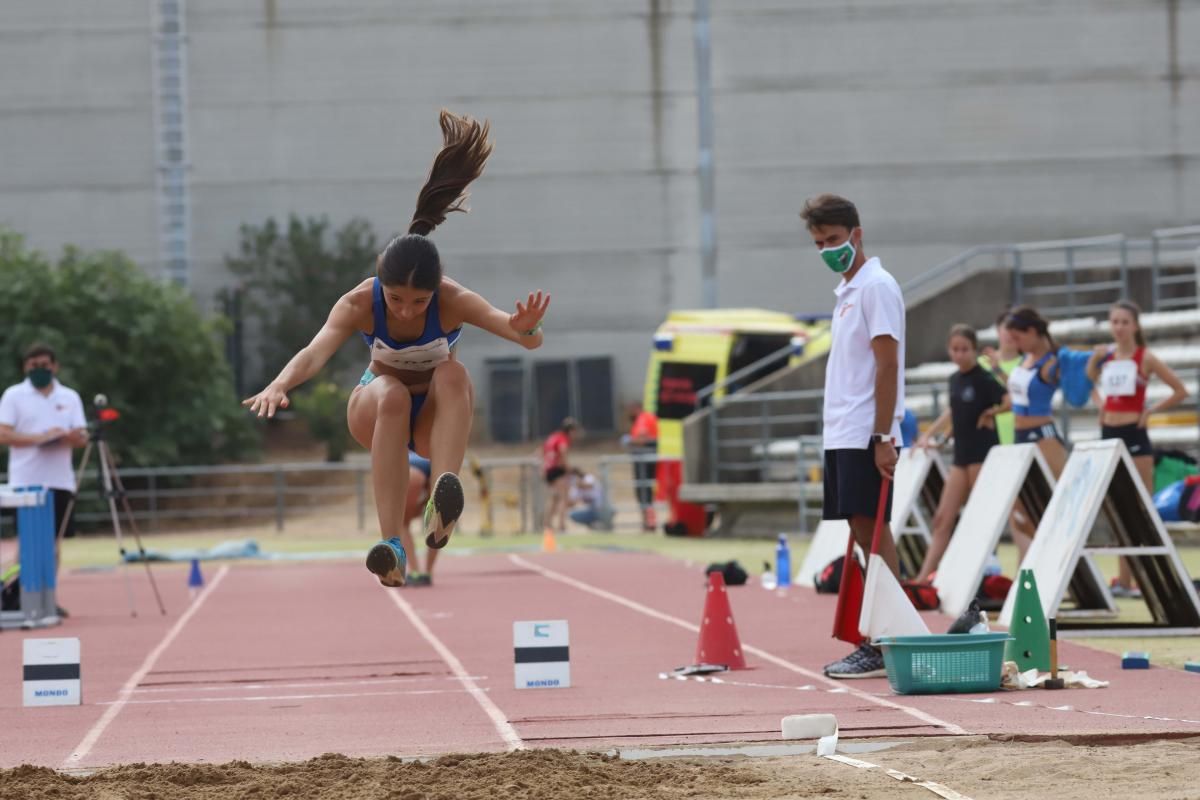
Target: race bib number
[1018,385]
[416,358]
[1119,378]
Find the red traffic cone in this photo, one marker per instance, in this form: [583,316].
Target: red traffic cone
[719,643]
[850,597]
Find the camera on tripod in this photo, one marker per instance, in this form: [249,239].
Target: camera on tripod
[112,490]
[104,415]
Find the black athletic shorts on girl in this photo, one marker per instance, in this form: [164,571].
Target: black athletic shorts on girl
[1047,431]
[1136,439]
[852,483]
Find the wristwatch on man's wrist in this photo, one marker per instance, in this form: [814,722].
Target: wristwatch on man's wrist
[881,438]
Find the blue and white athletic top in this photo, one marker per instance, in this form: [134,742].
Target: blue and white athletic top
[422,354]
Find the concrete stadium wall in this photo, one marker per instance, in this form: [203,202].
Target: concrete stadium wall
[949,122]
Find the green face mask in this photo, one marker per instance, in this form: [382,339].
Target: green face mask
[40,377]
[839,258]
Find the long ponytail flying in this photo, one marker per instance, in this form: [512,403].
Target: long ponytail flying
[412,259]
[464,152]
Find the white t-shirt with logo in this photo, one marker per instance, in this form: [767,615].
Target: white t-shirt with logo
[30,412]
[870,305]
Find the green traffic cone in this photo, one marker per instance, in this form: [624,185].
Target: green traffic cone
[1030,646]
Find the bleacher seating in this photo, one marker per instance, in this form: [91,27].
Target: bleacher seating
[1167,333]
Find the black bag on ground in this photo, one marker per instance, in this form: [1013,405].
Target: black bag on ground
[829,580]
[731,571]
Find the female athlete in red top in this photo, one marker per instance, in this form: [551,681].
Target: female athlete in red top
[1121,372]
[556,471]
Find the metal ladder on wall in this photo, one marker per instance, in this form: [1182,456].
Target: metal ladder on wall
[169,74]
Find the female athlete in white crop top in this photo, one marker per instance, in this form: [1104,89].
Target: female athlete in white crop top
[414,391]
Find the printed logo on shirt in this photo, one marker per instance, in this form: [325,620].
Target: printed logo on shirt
[844,309]
[968,394]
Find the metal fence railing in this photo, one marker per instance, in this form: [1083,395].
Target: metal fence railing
[258,493]
[623,482]
[1171,250]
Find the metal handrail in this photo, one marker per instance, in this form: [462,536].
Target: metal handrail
[1177,236]
[738,374]
[1069,244]
[953,264]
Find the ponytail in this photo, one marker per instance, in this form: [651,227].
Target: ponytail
[413,260]
[1023,318]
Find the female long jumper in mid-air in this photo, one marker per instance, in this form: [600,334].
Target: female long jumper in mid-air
[414,392]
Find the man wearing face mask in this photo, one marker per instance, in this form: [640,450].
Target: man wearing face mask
[41,421]
[864,392]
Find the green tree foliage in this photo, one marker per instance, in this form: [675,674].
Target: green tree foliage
[323,407]
[292,277]
[141,342]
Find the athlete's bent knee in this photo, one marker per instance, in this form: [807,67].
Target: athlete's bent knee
[396,401]
[451,374]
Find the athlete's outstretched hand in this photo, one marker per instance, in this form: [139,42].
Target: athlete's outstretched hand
[529,313]
[267,401]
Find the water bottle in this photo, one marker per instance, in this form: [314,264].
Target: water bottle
[783,563]
[768,578]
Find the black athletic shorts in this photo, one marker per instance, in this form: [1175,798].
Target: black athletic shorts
[63,498]
[1136,439]
[852,484]
[1047,431]
[973,448]
[553,474]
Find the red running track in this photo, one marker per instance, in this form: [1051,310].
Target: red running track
[283,662]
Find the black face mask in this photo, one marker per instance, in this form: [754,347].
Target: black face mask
[40,377]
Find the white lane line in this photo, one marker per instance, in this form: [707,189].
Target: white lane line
[840,688]
[507,732]
[110,713]
[267,697]
[258,687]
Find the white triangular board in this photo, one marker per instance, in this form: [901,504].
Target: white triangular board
[912,471]
[1070,516]
[983,520]
[828,542]
[829,539]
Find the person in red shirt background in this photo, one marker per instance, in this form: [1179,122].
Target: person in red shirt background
[643,442]
[556,472]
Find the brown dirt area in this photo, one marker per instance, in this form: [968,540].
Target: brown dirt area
[975,767]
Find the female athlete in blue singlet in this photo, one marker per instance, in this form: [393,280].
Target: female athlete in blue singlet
[414,391]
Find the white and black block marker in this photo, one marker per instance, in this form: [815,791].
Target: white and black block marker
[51,672]
[541,652]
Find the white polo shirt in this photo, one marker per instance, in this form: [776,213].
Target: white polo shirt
[30,412]
[870,305]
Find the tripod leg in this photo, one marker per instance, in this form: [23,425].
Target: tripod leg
[62,525]
[137,535]
[106,481]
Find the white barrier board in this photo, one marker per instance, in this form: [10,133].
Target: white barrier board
[1088,480]
[982,522]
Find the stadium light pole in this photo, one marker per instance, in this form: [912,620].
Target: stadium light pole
[708,220]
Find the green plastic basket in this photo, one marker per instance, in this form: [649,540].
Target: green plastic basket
[944,663]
